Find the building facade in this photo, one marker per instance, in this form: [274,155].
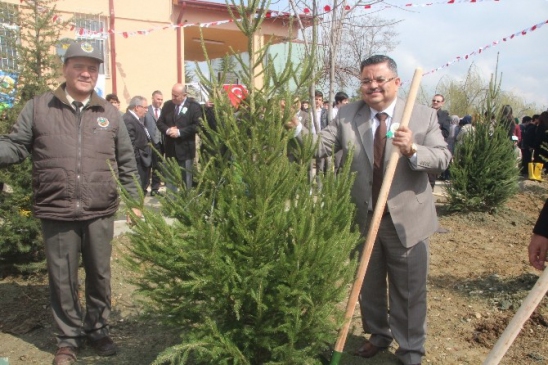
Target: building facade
[146,43]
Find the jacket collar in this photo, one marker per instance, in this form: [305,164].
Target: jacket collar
[94,100]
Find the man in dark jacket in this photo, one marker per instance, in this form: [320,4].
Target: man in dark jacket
[140,137]
[179,122]
[444,121]
[75,138]
[528,142]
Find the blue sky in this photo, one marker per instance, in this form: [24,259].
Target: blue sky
[431,36]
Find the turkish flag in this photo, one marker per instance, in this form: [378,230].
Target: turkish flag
[236,93]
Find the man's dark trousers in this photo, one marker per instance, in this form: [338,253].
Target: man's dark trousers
[156,167]
[64,242]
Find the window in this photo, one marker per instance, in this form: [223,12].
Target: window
[8,37]
[93,30]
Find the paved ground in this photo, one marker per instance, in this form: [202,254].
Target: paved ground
[121,227]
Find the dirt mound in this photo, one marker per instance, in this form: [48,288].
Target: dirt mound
[479,275]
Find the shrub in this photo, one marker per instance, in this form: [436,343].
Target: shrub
[484,172]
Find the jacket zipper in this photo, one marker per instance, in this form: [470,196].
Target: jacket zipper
[78,193]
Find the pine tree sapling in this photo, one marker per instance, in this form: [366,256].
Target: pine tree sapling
[38,70]
[253,266]
[484,174]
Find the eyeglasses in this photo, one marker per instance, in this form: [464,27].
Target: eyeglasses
[379,80]
[141,106]
[437,101]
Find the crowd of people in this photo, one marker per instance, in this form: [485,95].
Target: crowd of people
[76,139]
[529,137]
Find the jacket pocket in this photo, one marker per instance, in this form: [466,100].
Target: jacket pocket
[101,191]
[51,188]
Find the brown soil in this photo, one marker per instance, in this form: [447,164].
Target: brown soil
[479,274]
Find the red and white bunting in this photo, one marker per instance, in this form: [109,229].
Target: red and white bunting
[492,44]
[270,14]
[381,6]
[82,32]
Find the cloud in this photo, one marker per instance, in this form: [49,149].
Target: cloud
[434,35]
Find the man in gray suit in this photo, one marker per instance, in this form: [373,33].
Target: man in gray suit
[151,118]
[400,251]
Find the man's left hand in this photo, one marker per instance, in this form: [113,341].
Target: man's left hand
[403,139]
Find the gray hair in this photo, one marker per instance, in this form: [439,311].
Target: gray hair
[376,59]
[136,100]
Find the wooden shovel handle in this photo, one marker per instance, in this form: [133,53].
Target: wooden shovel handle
[524,312]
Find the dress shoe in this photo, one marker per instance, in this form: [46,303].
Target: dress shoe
[368,350]
[65,356]
[104,346]
[155,192]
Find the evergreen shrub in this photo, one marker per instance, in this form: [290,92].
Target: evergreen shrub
[38,70]
[484,170]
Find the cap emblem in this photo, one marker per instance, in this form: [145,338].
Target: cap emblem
[87,47]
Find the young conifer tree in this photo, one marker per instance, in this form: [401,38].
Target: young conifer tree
[484,171]
[253,265]
[33,38]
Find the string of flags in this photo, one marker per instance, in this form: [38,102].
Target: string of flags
[269,14]
[83,32]
[479,50]
[103,34]
[380,6]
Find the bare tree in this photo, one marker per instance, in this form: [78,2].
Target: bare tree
[345,38]
[361,37]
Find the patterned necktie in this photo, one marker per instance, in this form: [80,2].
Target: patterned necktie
[378,153]
[142,123]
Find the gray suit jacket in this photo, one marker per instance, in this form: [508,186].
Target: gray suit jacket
[410,200]
[150,124]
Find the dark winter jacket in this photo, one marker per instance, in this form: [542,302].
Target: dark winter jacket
[528,136]
[72,157]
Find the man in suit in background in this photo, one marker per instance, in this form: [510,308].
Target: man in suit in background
[151,117]
[140,137]
[317,121]
[400,251]
[341,99]
[444,121]
[179,123]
